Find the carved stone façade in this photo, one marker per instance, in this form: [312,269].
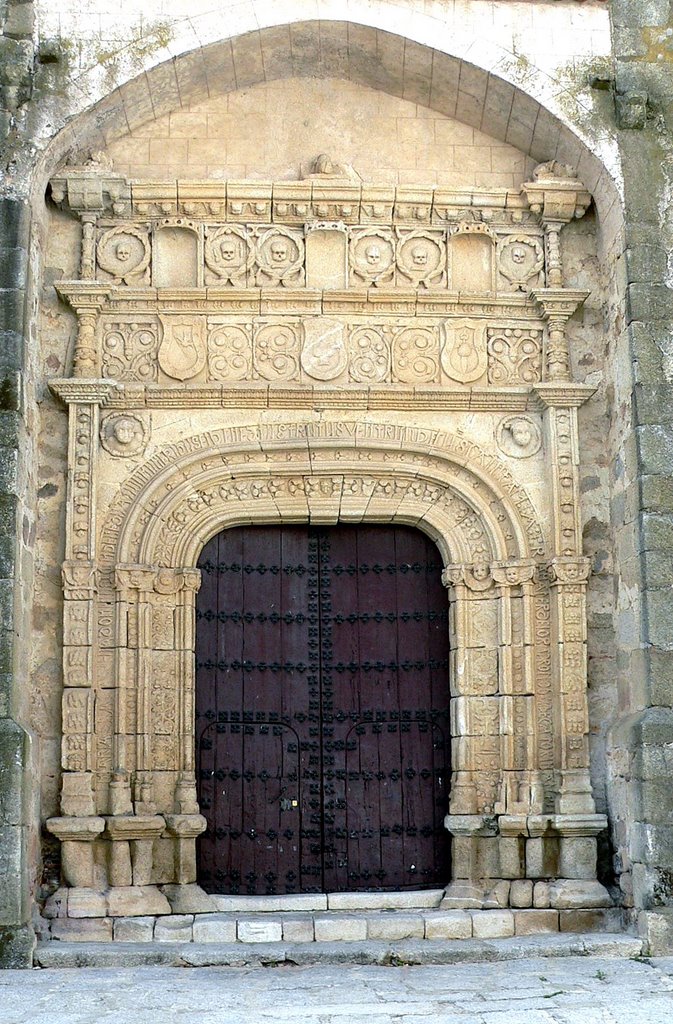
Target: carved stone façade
[327,351]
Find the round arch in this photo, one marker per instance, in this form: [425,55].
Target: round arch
[466,501]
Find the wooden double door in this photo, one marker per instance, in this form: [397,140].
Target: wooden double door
[322,732]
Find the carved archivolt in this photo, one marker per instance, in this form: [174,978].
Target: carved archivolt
[464,497]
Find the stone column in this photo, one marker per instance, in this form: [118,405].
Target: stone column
[84,399]
[475,744]
[521,791]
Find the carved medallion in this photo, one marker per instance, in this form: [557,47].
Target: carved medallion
[182,352]
[124,434]
[372,256]
[276,352]
[519,437]
[463,350]
[229,352]
[520,261]
[415,353]
[228,255]
[421,258]
[369,356]
[514,356]
[280,258]
[124,254]
[323,355]
[130,351]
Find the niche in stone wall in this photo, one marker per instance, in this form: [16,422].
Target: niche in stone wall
[327,256]
[175,257]
[472,259]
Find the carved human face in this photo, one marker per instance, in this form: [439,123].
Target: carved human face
[518,254]
[228,250]
[373,255]
[522,433]
[279,251]
[512,574]
[480,571]
[123,252]
[419,256]
[124,430]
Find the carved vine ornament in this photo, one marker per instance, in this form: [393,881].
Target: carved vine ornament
[199,297]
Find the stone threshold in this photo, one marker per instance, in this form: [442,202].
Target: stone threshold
[391,924]
[397,954]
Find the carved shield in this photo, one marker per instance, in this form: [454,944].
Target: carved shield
[182,353]
[463,350]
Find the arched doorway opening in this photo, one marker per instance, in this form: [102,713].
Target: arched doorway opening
[322,710]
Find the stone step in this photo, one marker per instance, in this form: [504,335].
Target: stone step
[409,952]
[319,926]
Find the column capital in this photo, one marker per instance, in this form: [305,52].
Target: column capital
[565,570]
[76,390]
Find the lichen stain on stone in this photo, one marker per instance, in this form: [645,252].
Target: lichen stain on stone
[659,43]
[155,36]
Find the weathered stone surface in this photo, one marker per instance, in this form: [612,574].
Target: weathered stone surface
[133,929]
[521,893]
[395,926]
[174,928]
[532,922]
[492,924]
[259,929]
[188,899]
[340,928]
[136,901]
[298,929]
[383,900]
[86,903]
[270,904]
[448,924]
[578,895]
[84,929]
[214,928]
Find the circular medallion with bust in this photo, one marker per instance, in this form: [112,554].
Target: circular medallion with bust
[123,435]
[519,437]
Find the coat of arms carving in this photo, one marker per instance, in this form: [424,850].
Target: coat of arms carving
[182,352]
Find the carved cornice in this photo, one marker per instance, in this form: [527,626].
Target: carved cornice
[106,298]
[217,396]
[97,190]
[85,392]
[563,395]
[559,303]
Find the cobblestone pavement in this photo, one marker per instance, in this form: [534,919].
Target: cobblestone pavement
[575,990]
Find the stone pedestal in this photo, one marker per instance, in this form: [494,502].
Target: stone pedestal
[185,828]
[132,838]
[77,836]
[500,861]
